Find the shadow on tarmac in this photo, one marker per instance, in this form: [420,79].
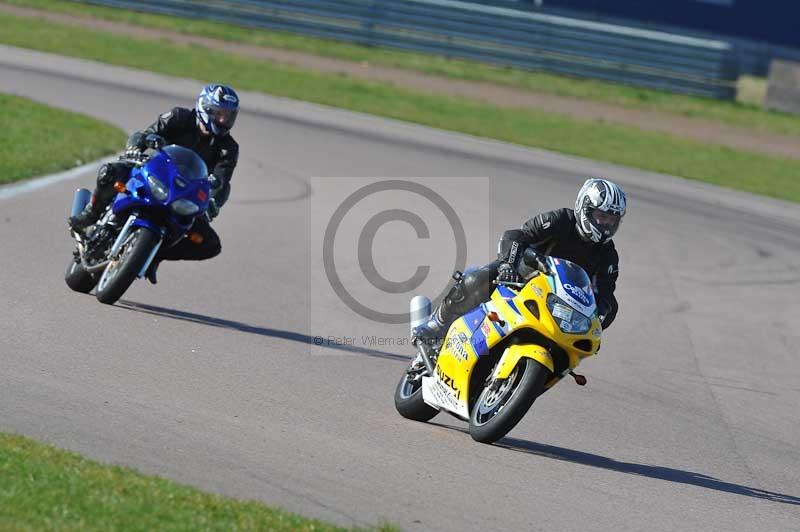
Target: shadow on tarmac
[658,472]
[254,329]
[652,471]
[513,444]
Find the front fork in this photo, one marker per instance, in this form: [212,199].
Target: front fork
[121,237]
[150,257]
[134,221]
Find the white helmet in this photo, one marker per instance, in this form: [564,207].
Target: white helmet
[599,209]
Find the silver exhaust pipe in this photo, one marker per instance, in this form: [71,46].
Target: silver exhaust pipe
[79,201]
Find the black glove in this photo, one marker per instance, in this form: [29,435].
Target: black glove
[603,309]
[212,210]
[136,142]
[507,274]
[216,183]
[153,141]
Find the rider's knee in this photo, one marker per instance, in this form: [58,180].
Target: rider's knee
[475,278]
[479,280]
[215,250]
[213,246]
[109,173]
[105,175]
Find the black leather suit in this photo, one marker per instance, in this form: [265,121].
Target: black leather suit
[551,233]
[179,126]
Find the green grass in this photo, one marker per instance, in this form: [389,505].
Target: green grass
[746,113]
[36,139]
[43,488]
[597,140]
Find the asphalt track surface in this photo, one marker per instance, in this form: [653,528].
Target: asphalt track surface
[689,420]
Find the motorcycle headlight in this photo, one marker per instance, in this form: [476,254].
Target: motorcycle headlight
[567,318]
[185,207]
[158,188]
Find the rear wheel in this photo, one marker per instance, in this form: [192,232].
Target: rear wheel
[502,404]
[120,273]
[79,279]
[408,396]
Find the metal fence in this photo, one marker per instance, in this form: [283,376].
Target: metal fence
[490,34]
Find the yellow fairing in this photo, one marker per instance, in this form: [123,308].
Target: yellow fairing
[512,355]
[521,312]
[522,319]
[456,361]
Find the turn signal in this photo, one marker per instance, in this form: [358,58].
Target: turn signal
[119,186]
[195,238]
[494,317]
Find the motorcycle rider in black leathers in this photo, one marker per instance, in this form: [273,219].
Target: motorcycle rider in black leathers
[205,130]
[583,236]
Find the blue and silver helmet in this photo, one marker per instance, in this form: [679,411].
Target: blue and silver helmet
[217,107]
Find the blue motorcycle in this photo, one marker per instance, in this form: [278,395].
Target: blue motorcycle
[165,192]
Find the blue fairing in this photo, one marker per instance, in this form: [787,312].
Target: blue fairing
[505,291]
[181,178]
[575,281]
[144,222]
[479,344]
[474,318]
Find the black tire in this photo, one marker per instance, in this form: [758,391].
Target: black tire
[489,421]
[133,255]
[408,400]
[79,279]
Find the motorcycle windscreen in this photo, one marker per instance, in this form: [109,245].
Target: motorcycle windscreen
[189,165]
[574,286]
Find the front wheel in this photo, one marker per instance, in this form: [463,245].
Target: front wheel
[408,396]
[120,273]
[502,404]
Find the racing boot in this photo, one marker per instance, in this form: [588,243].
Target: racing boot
[434,330]
[102,196]
[431,332]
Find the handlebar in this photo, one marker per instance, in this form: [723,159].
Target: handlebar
[509,283]
[134,156]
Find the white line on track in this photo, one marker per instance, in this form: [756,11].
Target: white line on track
[10,191]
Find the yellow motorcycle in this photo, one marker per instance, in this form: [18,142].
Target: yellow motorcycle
[498,358]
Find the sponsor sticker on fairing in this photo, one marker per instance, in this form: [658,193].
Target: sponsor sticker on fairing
[435,393]
[456,344]
[572,290]
[578,293]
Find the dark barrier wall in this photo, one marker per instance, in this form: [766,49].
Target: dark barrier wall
[511,37]
[773,21]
